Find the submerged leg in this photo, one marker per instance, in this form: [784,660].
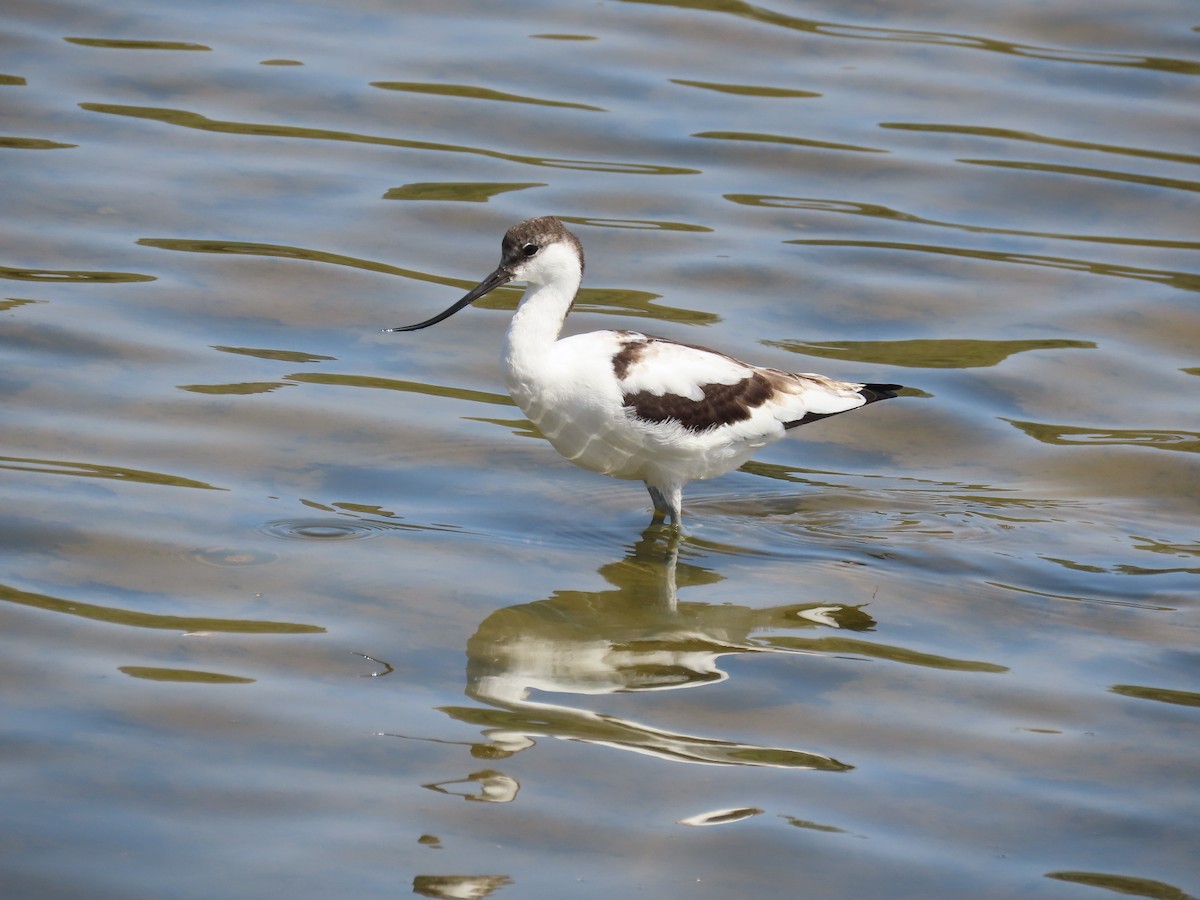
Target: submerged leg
[667,503]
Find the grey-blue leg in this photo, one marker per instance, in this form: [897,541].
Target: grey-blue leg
[667,503]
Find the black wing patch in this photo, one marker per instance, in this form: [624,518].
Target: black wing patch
[723,404]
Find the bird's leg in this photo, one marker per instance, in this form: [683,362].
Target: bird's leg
[660,503]
[667,504]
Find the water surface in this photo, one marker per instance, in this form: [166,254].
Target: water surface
[294,606]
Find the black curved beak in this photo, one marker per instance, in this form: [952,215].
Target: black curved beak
[493,281]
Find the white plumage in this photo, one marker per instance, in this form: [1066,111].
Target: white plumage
[634,406]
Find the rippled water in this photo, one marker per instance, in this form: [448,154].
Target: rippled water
[295,607]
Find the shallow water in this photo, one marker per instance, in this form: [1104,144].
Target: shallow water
[293,606]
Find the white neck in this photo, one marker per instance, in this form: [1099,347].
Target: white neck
[539,319]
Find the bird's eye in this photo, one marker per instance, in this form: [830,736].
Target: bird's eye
[529,249]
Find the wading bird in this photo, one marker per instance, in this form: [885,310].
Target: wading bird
[634,406]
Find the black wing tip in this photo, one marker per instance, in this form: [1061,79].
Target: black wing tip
[875,392]
[872,393]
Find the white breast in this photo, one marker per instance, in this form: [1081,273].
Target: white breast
[575,401]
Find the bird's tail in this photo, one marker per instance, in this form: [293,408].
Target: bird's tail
[871,392]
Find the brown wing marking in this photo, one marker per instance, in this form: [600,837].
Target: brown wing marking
[722,404]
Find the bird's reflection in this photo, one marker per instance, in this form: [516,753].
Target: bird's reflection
[635,636]
[459,887]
